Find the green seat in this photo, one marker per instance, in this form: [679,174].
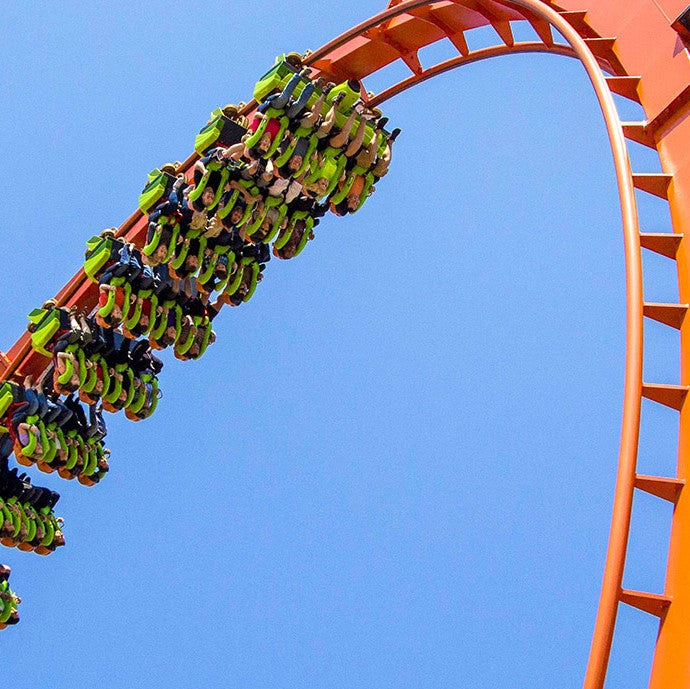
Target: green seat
[158,187]
[44,324]
[274,80]
[6,397]
[220,131]
[99,251]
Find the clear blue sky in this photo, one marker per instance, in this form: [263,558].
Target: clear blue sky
[395,467]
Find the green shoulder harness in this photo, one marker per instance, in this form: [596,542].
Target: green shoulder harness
[135,406]
[227,208]
[30,523]
[207,337]
[305,237]
[208,267]
[48,525]
[10,517]
[29,449]
[183,347]
[7,610]
[331,168]
[181,256]
[161,324]
[91,459]
[50,446]
[73,454]
[106,310]
[275,226]
[284,236]
[129,377]
[235,279]
[301,133]
[254,281]
[271,113]
[113,394]
[174,228]
[211,167]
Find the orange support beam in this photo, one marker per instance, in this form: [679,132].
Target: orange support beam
[651,603]
[654,183]
[664,488]
[661,243]
[625,86]
[640,133]
[668,314]
[672,396]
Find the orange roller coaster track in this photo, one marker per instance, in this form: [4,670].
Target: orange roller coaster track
[629,48]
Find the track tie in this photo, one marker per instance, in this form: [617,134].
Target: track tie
[600,46]
[639,132]
[653,183]
[325,65]
[576,19]
[665,244]
[574,16]
[625,86]
[671,396]
[668,314]
[411,59]
[542,28]
[664,488]
[652,603]
[502,28]
[456,37]
[460,42]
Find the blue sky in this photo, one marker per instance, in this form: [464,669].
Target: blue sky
[395,467]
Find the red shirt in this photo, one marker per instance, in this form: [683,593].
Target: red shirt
[272,126]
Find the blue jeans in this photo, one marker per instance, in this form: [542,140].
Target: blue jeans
[279,101]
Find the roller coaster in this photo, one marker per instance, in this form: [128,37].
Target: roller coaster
[649,67]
